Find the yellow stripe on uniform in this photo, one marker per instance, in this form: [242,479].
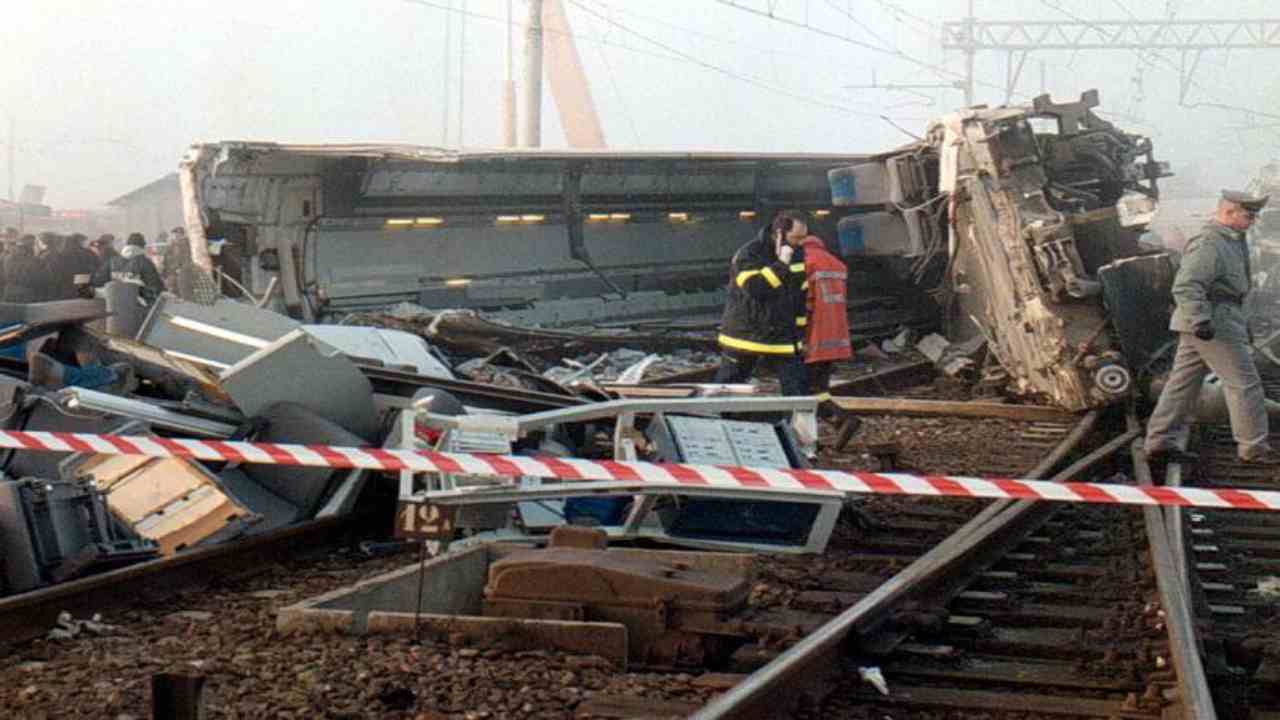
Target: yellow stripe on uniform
[744,276]
[772,277]
[822,397]
[755,347]
[797,267]
[802,321]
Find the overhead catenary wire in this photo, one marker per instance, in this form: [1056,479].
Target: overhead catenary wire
[800,97]
[671,54]
[711,37]
[1055,5]
[853,19]
[617,91]
[899,54]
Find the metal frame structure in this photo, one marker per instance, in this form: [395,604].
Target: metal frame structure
[1190,37]
[445,489]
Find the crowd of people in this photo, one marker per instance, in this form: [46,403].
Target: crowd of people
[64,267]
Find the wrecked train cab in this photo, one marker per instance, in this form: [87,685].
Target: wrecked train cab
[1026,220]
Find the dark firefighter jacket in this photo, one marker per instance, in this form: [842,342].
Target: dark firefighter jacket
[827,329]
[764,313]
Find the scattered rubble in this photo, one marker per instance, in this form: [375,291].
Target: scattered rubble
[629,366]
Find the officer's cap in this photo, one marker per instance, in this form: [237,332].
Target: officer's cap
[1252,203]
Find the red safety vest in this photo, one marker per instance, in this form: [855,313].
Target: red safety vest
[827,325]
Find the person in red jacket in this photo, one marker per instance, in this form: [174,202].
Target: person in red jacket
[826,328]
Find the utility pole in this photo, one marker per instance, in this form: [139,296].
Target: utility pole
[969,51]
[533,77]
[462,66]
[509,90]
[448,57]
[13,138]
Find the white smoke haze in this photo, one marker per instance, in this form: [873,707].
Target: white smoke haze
[105,95]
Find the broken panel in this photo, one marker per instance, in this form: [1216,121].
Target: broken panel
[172,501]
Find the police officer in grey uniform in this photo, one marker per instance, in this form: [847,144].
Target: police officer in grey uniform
[1209,293]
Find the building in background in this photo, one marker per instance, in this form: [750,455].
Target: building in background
[150,209]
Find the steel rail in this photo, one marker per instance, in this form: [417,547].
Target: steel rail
[978,544]
[31,614]
[1170,563]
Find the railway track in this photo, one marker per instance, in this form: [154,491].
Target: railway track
[1087,612]
[30,615]
[1032,610]
[1010,609]
[1232,562]
[799,599]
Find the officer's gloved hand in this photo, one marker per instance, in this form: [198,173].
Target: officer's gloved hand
[785,252]
[1204,330]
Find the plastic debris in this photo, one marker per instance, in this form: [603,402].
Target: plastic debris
[873,676]
[933,346]
[68,628]
[1268,587]
[898,343]
[632,375]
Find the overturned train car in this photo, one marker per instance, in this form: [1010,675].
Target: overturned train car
[549,238]
[1026,220]
[1017,224]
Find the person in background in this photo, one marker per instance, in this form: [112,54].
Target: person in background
[764,312]
[83,261]
[176,258]
[70,267]
[58,264]
[133,265]
[26,280]
[104,248]
[1209,292]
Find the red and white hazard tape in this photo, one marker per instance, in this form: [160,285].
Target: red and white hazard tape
[764,480]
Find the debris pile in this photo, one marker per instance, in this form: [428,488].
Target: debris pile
[628,366]
[229,370]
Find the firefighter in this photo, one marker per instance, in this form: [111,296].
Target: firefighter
[764,314]
[1209,292]
[827,332]
[827,329]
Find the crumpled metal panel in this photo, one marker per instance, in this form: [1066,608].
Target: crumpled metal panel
[1027,205]
[301,369]
[1138,294]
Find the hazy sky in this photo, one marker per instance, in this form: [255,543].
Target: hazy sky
[106,94]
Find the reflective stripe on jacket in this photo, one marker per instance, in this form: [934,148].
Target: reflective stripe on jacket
[827,337]
[765,301]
